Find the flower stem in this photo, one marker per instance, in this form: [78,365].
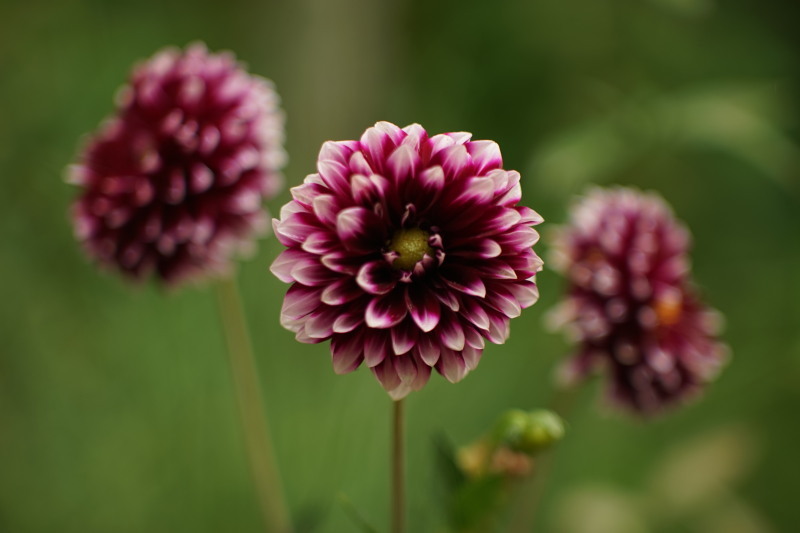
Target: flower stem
[398,503]
[532,492]
[258,442]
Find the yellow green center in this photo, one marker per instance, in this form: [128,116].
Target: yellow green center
[411,245]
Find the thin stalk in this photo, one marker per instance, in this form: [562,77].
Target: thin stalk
[255,428]
[533,490]
[398,502]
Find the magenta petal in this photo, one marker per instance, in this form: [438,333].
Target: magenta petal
[347,322]
[357,229]
[447,298]
[521,237]
[502,300]
[310,272]
[423,307]
[338,151]
[341,262]
[319,324]
[403,163]
[295,229]
[455,160]
[428,350]
[320,243]
[285,262]
[451,333]
[386,311]
[359,164]
[471,356]
[404,337]
[387,375]
[473,338]
[423,374]
[347,352]
[369,189]
[376,346]
[377,277]
[478,190]
[498,328]
[473,311]
[299,301]
[525,292]
[341,291]
[406,368]
[451,365]
[374,144]
[326,207]
[485,155]
[335,175]
[464,279]
[529,216]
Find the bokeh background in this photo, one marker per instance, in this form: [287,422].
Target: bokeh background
[116,408]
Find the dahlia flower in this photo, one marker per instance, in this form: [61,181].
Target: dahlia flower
[172,185]
[630,302]
[407,251]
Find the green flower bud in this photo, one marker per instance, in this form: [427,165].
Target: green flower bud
[529,432]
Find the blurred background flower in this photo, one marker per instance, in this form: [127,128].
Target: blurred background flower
[172,184]
[115,406]
[631,305]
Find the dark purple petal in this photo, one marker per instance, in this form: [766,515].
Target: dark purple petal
[386,311]
[451,365]
[428,349]
[377,277]
[485,155]
[404,337]
[377,346]
[285,262]
[357,228]
[386,374]
[320,242]
[299,301]
[451,333]
[464,279]
[347,352]
[340,292]
[423,307]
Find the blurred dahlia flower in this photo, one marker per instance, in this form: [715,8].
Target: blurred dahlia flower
[172,185]
[630,302]
[407,251]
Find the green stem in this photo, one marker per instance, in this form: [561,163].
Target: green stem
[533,490]
[253,417]
[398,469]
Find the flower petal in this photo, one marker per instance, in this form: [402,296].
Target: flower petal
[464,279]
[423,307]
[451,365]
[357,228]
[404,337]
[347,352]
[386,311]
[376,346]
[341,291]
[428,350]
[451,333]
[377,277]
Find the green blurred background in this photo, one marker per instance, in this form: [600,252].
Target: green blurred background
[116,409]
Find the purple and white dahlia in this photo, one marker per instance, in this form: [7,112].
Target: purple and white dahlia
[630,303]
[172,185]
[407,251]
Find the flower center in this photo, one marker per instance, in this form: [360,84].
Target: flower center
[668,309]
[411,245]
